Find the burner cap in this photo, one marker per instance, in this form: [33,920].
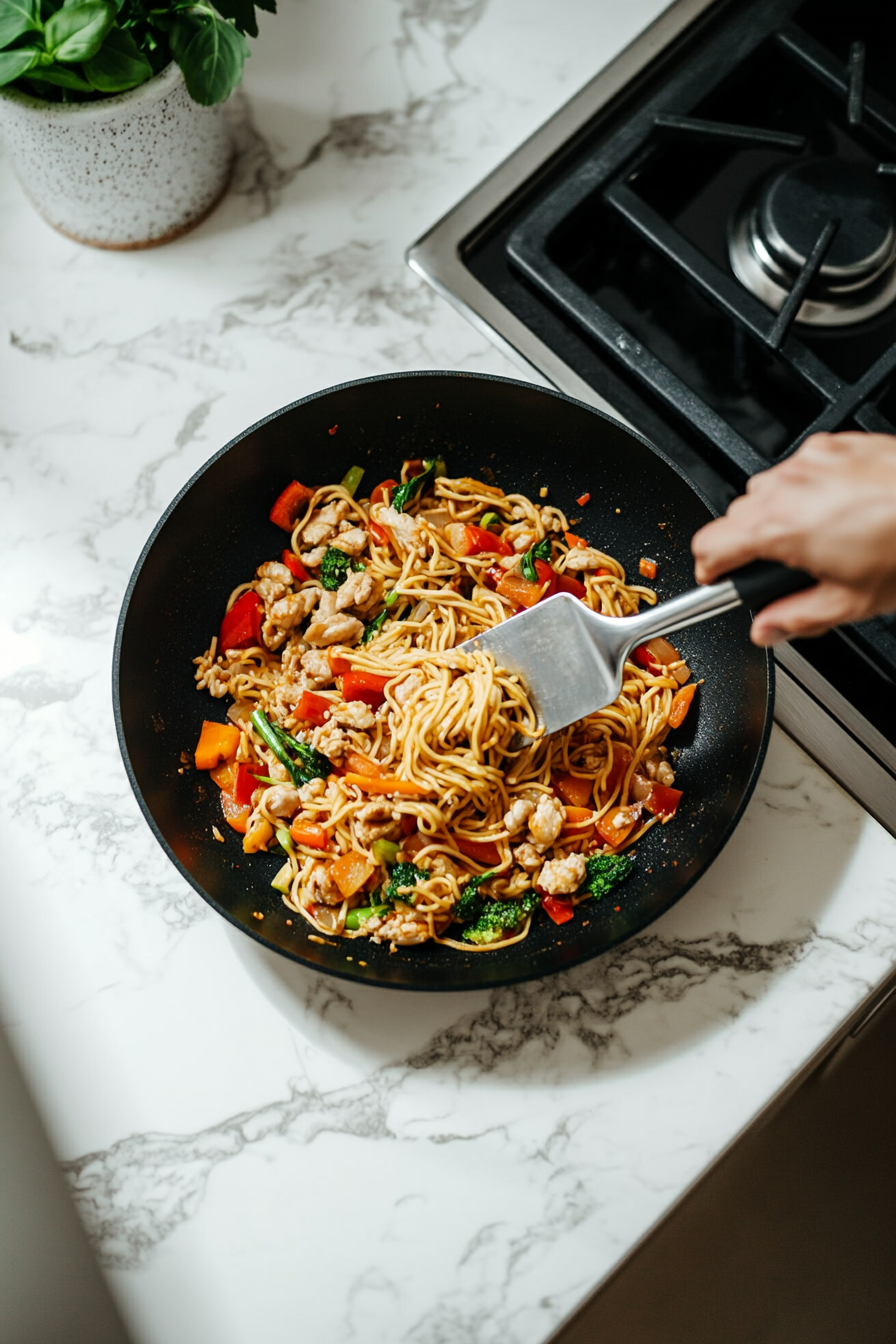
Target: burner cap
[795,206]
[772,238]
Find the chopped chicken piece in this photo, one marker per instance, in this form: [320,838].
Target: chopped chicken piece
[584,557]
[274,580]
[546,822]
[322,524]
[376,821]
[291,657]
[338,629]
[407,689]
[331,740]
[522,541]
[282,800]
[593,756]
[402,526]
[521,810]
[321,887]
[353,542]
[355,591]
[285,696]
[315,788]
[561,877]
[286,613]
[403,928]
[311,559]
[665,774]
[316,666]
[354,715]
[528,857]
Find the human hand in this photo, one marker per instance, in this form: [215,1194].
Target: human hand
[829,509]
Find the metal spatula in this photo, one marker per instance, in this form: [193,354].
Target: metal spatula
[571,660]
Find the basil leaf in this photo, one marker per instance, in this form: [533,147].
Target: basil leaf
[181,31]
[63,77]
[17,17]
[76,33]
[242,12]
[118,65]
[540,551]
[212,64]
[16,63]
[403,494]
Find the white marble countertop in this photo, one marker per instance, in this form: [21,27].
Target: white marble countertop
[258,1152]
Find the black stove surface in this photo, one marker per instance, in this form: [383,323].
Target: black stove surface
[619,257]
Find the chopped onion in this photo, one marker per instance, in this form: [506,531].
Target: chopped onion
[663,651]
[328,917]
[682,674]
[440,519]
[456,534]
[418,612]
[640,788]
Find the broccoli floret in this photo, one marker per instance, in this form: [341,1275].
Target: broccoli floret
[603,872]
[335,566]
[404,875]
[500,918]
[469,907]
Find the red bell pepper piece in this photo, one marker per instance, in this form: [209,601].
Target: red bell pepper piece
[241,626]
[295,566]
[560,911]
[246,782]
[366,686]
[382,493]
[485,852]
[622,759]
[663,801]
[565,583]
[644,658]
[479,541]
[546,575]
[408,823]
[314,708]
[339,664]
[289,504]
[493,576]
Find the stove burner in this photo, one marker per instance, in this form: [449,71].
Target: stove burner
[774,233]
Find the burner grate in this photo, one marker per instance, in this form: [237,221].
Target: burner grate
[834,385]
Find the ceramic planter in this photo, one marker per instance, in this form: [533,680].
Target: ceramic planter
[130,171]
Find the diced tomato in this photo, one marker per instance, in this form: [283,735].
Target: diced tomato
[584,499]
[295,566]
[366,686]
[350,872]
[382,493]
[235,814]
[573,790]
[559,910]
[662,801]
[647,568]
[241,626]
[217,742]
[310,834]
[379,534]
[466,539]
[565,583]
[485,852]
[493,576]
[245,782]
[358,764]
[622,759]
[408,823]
[314,708]
[289,505]
[681,703]
[619,823]
[572,540]
[520,591]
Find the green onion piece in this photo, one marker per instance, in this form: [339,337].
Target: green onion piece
[352,479]
[440,467]
[282,881]
[385,851]
[491,522]
[355,918]
[285,839]
[392,597]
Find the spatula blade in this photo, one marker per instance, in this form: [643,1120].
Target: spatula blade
[552,650]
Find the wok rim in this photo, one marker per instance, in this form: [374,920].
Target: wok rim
[505,980]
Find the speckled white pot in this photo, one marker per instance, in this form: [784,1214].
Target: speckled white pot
[125,172]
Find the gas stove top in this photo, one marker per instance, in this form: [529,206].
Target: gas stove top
[703,243]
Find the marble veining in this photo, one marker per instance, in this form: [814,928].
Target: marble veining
[226,1117]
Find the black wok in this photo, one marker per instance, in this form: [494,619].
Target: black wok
[216,532]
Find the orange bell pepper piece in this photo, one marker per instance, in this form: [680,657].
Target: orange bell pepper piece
[681,703]
[217,742]
[309,833]
[485,852]
[572,789]
[235,814]
[350,872]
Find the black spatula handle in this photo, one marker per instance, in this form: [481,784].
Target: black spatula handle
[764,581]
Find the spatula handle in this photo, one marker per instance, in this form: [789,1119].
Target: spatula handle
[763,582]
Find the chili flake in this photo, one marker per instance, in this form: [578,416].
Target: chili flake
[333,430]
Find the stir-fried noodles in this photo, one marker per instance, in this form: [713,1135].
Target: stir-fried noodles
[403,782]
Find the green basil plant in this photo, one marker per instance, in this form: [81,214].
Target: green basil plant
[81,50]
